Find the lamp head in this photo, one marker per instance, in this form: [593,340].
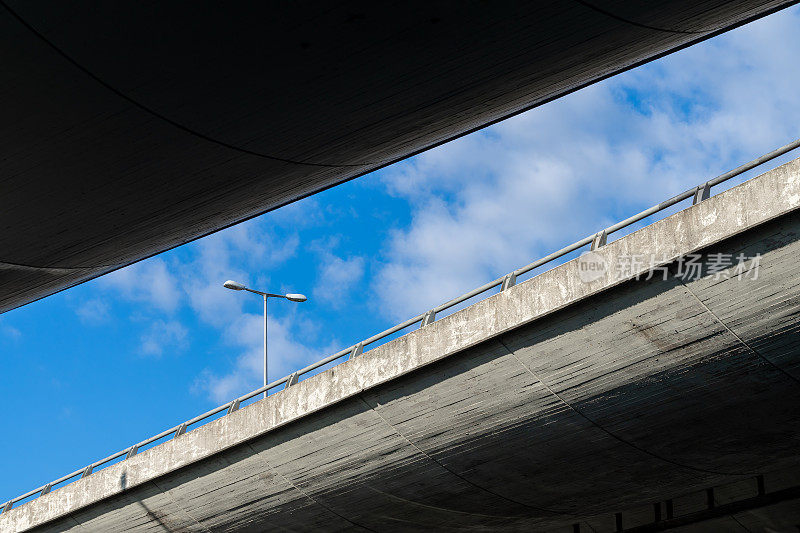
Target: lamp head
[296,297]
[234,286]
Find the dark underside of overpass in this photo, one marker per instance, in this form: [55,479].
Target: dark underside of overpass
[131,128]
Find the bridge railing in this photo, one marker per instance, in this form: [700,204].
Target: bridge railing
[698,194]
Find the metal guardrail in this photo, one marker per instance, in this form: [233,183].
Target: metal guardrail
[699,193]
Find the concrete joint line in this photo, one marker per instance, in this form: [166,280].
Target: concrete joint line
[150,111]
[606,431]
[150,514]
[309,497]
[462,478]
[732,515]
[177,504]
[415,503]
[30,268]
[738,338]
[80,526]
[639,24]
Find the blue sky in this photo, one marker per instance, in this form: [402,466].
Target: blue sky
[99,367]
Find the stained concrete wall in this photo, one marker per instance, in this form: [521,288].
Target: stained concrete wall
[536,408]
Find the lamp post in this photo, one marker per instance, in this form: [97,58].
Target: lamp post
[235,286]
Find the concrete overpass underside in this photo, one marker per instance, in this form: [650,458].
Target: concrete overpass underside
[555,405]
[128,128]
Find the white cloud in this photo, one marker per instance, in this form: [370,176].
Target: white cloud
[491,202]
[164,336]
[150,282]
[9,331]
[232,254]
[235,254]
[246,333]
[163,286]
[93,311]
[337,277]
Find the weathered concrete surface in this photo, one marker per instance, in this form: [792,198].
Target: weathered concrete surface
[552,403]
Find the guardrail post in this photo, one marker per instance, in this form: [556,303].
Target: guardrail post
[7,507]
[357,350]
[86,471]
[428,317]
[599,240]
[509,281]
[703,192]
[132,451]
[46,489]
[291,381]
[180,431]
[234,406]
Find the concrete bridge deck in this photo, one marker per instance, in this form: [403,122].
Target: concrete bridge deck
[557,404]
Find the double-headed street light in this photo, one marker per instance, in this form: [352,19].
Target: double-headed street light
[234,286]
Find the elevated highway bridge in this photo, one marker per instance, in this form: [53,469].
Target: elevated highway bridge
[565,402]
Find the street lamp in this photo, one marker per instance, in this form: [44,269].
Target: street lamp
[235,286]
